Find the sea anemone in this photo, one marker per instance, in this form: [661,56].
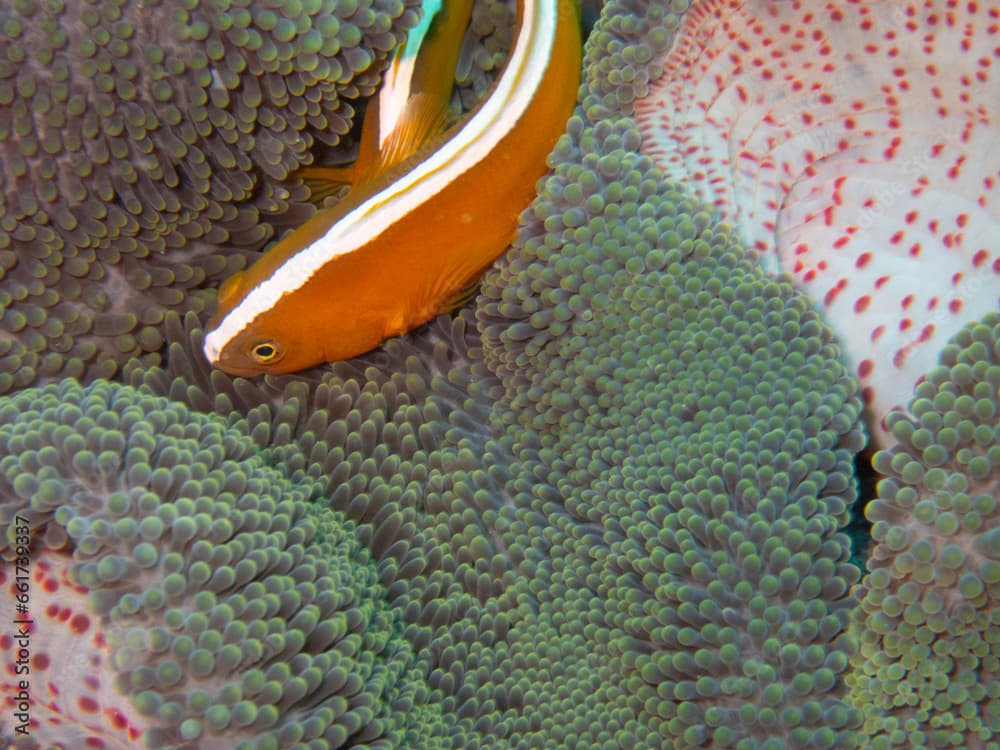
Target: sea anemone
[203,595]
[928,672]
[853,145]
[143,145]
[602,509]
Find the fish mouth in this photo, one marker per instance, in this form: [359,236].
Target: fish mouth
[239,372]
[219,361]
[212,349]
[231,368]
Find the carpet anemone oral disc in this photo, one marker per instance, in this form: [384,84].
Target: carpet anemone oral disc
[855,146]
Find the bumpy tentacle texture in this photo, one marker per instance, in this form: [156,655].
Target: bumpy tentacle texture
[554,603]
[682,429]
[609,519]
[226,608]
[854,144]
[484,50]
[686,431]
[142,143]
[402,441]
[928,672]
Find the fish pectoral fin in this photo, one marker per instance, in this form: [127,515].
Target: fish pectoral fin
[324,182]
[395,325]
[462,296]
[427,117]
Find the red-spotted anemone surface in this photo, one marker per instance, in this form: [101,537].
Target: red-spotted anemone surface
[856,146]
[55,669]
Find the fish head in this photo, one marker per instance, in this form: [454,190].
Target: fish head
[249,358]
[264,346]
[270,342]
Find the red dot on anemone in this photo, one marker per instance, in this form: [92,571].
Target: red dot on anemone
[76,704]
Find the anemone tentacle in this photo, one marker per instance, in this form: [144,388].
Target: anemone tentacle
[927,672]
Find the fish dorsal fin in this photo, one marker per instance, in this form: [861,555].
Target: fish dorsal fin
[426,118]
[414,104]
[326,181]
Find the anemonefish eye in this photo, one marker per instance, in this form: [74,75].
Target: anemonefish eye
[265,352]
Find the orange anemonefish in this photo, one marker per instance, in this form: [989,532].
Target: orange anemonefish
[428,212]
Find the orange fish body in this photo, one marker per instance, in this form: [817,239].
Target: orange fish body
[404,243]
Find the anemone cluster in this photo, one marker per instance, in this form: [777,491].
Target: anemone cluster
[929,622]
[685,431]
[870,178]
[557,512]
[237,611]
[143,143]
